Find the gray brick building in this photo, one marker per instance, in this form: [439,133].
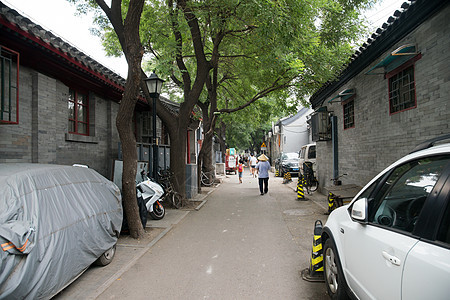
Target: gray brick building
[393,95]
[58,105]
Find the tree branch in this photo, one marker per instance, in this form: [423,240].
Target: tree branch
[179,46]
[274,87]
[203,66]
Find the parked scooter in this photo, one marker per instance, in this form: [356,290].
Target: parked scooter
[152,195]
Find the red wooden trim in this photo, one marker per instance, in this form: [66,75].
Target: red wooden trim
[343,112]
[59,52]
[348,100]
[188,152]
[415,95]
[17,89]
[406,65]
[76,113]
[350,127]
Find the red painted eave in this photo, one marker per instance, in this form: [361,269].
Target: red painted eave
[71,61]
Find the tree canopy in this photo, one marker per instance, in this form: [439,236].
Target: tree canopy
[225,55]
[261,45]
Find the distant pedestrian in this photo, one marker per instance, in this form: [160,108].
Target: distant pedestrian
[240,170]
[263,167]
[253,162]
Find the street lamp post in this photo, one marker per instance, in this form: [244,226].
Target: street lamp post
[154,84]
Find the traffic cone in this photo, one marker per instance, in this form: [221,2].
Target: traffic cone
[315,270]
[300,193]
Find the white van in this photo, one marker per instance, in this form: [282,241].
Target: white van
[307,154]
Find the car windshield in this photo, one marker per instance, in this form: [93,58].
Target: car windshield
[291,155]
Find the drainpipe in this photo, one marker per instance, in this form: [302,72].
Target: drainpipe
[334,140]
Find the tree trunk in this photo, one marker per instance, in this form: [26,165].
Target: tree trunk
[223,147]
[128,33]
[124,127]
[205,159]
[207,156]
[178,158]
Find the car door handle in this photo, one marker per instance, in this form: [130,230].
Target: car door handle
[394,260]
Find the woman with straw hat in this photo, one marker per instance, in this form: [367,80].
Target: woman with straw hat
[262,168]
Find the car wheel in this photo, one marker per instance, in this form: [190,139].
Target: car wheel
[334,277]
[106,257]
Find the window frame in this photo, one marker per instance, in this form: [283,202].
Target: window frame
[17,57]
[380,190]
[75,108]
[310,152]
[443,228]
[344,118]
[409,64]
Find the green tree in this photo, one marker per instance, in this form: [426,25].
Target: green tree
[242,50]
[272,49]
[245,127]
[125,23]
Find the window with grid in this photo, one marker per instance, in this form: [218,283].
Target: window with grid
[402,94]
[349,114]
[78,113]
[9,82]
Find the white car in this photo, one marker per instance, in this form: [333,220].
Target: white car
[393,239]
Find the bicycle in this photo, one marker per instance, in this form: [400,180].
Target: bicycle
[208,178]
[164,178]
[311,182]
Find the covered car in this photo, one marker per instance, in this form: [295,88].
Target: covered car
[55,221]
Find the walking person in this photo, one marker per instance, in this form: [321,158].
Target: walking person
[240,170]
[262,168]
[253,162]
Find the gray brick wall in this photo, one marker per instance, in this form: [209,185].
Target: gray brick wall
[379,138]
[42,133]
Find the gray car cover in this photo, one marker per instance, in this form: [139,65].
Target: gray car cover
[55,221]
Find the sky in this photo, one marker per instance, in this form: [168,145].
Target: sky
[58,16]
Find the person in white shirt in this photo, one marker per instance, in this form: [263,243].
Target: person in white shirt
[253,162]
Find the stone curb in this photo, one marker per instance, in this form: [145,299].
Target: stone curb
[119,273]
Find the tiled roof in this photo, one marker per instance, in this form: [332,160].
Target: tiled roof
[65,49]
[36,31]
[397,26]
[291,118]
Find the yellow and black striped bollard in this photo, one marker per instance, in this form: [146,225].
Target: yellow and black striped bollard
[300,193]
[315,271]
[331,202]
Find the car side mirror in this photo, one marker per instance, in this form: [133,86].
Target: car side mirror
[358,210]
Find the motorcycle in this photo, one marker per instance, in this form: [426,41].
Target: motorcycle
[151,194]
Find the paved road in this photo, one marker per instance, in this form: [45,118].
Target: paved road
[239,245]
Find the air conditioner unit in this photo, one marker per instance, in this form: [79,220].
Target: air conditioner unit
[320,125]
